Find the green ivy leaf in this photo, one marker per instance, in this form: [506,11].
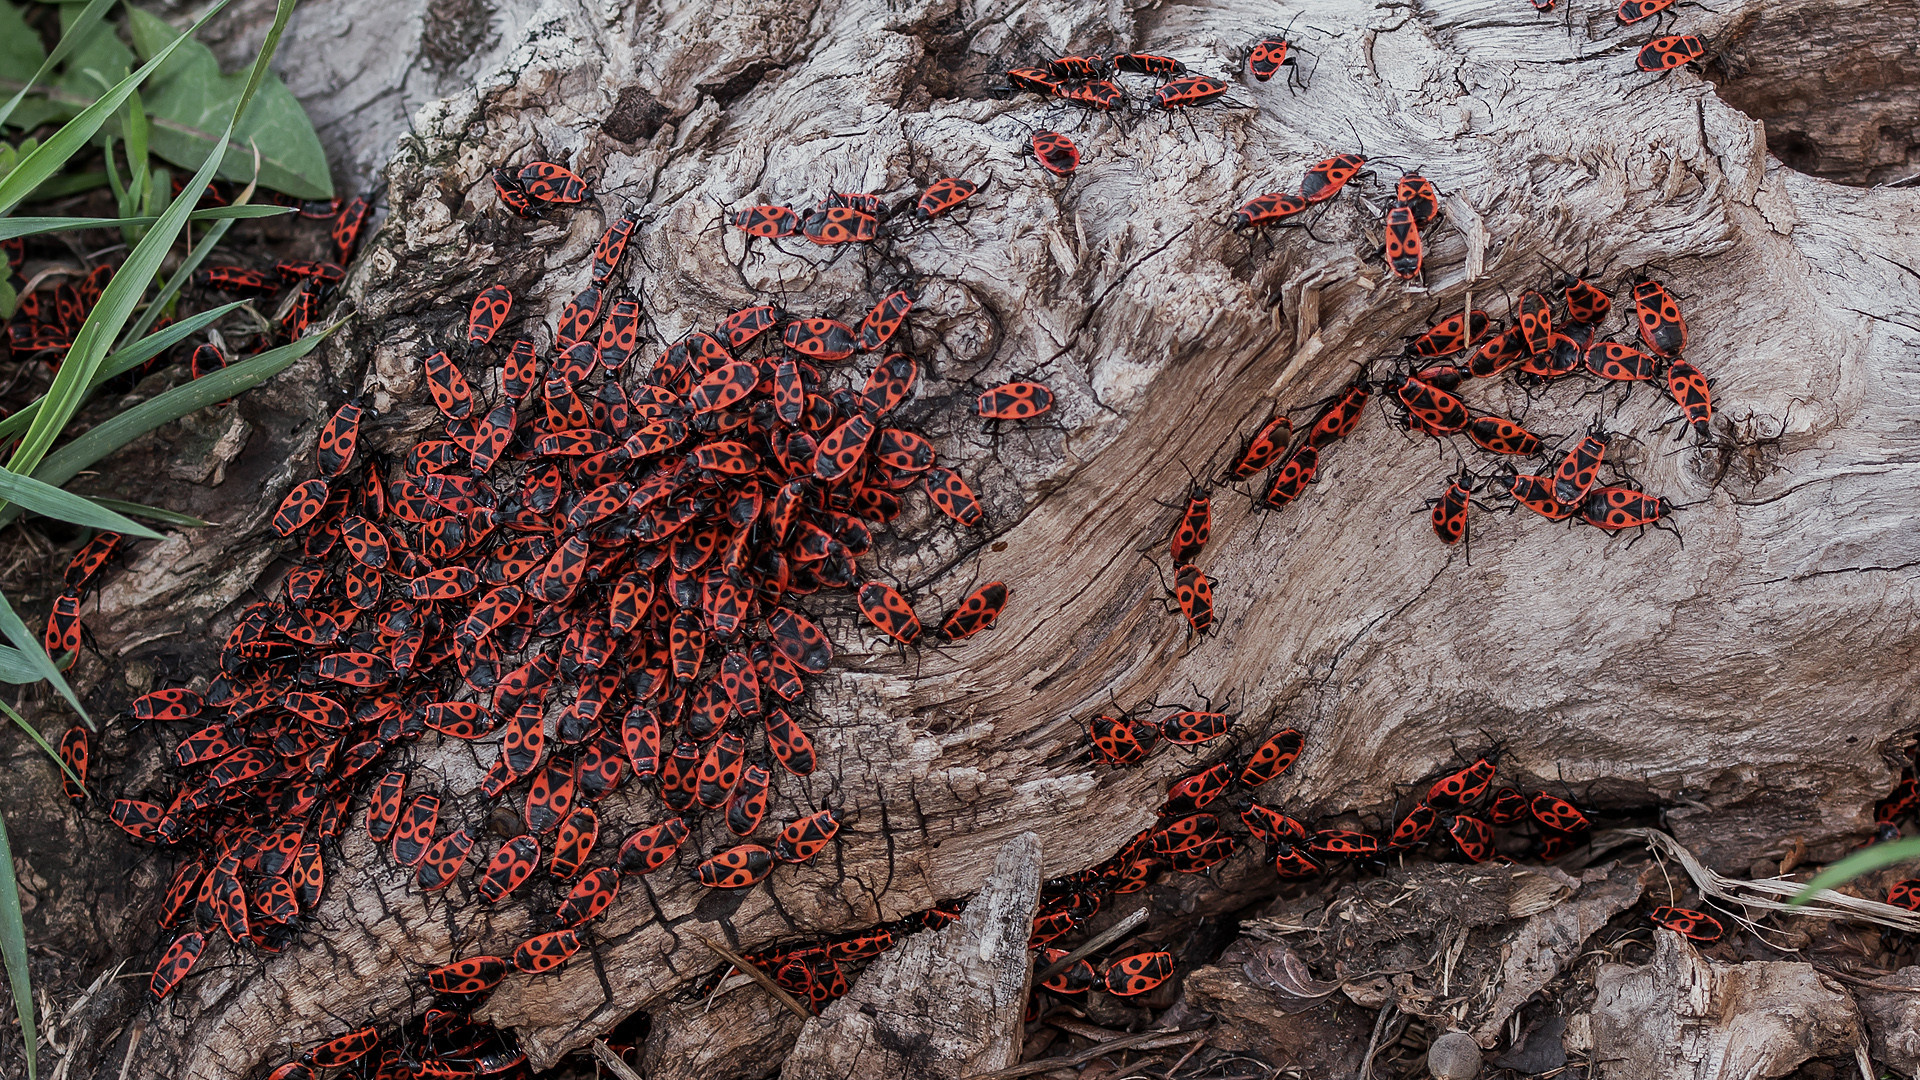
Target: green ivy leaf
[188,102]
[20,51]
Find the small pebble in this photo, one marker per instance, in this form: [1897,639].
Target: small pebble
[1454,1056]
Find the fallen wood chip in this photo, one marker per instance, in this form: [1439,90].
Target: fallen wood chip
[1148,1040]
[766,982]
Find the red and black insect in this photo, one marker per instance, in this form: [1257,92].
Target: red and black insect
[1452,334]
[551,183]
[90,559]
[513,196]
[1578,470]
[951,496]
[489,313]
[1273,757]
[1429,408]
[1033,80]
[1294,474]
[749,802]
[1195,793]
[975,613]
[1121,741]
[474,975]
[883,321]
[1103,95]
[545,952]
[1508,807]
[1905,894]
[1193,591]
[75,752]
[610,248]
[1535,493]
[1078,978]
[801,840]
[1617,508]
[1267,444]
[1159,67]
[1556,813]
[651,848]
[1344,843]
[1137,974]
[1417,193]
[1697,925]
[769,221]
[1191,728]
[1195,527]
[886,609]
[1414,828]
[1632,11]
[415,829]
[1449,511]
[1273,208]
[1404,252]
[1498,353]
[63,637]
[443,860]
[1534,316]
[1689,390]
[1472,836]
[590,896]
[346,226]
[1056,152]
[342,1049]
[1501,436]
[1270,826]
[840,225]
[942,196]
[820,339]
[176,703]
[1291,861]
[1268,56]
[1324,180]
[1618,362]
[175,963]
[1461,789]
[449,388]
[735,868]
[1188,91]
[1669,52]
[1662,327]
[1338,419]
[1015,401]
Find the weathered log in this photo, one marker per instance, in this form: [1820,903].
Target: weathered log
[1748,680]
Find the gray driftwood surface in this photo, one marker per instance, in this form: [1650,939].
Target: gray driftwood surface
[1748,680]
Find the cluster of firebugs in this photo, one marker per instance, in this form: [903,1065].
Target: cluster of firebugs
[621,553]
[658,531]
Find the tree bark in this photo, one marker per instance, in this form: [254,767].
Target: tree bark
[1746,682]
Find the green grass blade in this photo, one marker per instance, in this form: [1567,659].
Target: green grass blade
[116,303]
[1857,864]
[92,13]
[155,513]
[15,668]
[34,226]
[41,740]
[104,438]
[48,501]
[13,948]
[51,156]
[129,358]
[30,646]
[181,275]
